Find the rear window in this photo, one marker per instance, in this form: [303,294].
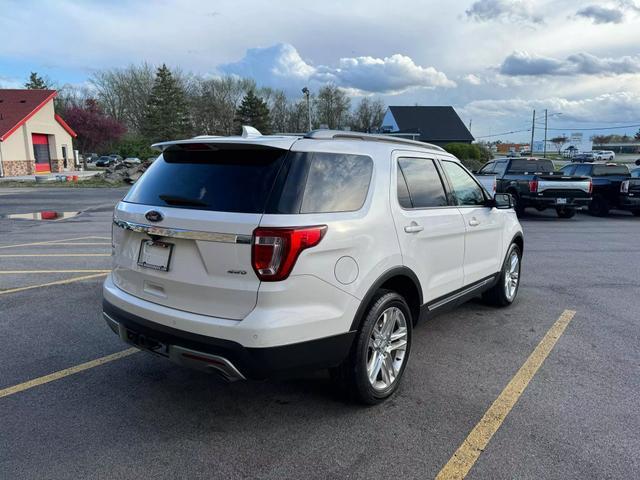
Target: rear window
[610,170]
[241,179]
[226,180]
[520,166]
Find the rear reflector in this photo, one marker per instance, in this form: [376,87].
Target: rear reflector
[274,251]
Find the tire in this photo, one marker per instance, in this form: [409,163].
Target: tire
[504,292]
[353,374]
[636,213]
[599,207]
[517,204]
[565,212]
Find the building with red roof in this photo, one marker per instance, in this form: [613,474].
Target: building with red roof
[33,138]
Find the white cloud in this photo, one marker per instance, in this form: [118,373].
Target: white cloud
[524,63]
[282,66]
[472,79]
[503,10]
[599,14]
[610,107]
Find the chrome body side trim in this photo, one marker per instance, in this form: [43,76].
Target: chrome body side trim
[185,234]
[461,293]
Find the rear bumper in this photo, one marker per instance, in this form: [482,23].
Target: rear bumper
[233,360]
[629,203]
[549,202]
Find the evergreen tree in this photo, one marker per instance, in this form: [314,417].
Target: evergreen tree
[253,111]
[166,115]
[36,82]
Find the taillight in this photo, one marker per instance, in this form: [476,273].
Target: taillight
[533,186]
[624,187]
[274,251]
[590,186]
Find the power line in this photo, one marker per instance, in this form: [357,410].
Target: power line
[597,128]
[504,133]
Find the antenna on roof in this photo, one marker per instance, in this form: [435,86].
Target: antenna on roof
[248,132]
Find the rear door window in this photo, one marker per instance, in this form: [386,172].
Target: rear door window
[582,171]
[610,170]
[419,184]
[228,179]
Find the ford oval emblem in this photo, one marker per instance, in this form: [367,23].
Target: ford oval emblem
[154,216]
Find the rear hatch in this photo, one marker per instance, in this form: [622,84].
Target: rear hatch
[182,234]
[558,185]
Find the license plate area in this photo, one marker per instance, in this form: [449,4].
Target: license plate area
[561,201]
[155,255]
[146,343]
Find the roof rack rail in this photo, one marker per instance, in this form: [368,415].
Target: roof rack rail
[346,135]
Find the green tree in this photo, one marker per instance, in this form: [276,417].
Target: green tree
[166,115]
[253,111]
[36,82]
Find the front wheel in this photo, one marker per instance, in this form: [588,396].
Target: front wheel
[504,292]
[564,212]
[599,206]
[373,370]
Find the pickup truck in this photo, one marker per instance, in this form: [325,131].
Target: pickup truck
[532,182]
[613,187]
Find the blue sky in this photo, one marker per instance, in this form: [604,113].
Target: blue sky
[493,60]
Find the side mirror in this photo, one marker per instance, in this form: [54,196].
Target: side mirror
[503,201]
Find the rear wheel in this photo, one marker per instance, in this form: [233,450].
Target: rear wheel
[373,370]
[517,204]
[636,213]
[504,292]
[599,207]
[565,212]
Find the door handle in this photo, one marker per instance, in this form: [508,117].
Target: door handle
[413,228]
[474,222]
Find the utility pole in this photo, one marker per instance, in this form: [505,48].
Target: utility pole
[470,122]
[306,92]
[545,134]
[533,129]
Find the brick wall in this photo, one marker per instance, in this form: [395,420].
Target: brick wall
[58,165]
[12,168]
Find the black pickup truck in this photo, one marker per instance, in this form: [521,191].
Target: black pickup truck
[533,183]
[613,187]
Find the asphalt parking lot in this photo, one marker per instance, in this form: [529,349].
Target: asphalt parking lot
[138,416]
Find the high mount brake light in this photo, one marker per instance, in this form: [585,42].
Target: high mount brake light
[274,251]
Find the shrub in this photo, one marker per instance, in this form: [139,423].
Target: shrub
[472,156]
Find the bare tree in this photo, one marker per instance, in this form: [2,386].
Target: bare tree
[559,142]
[368,115]
[332,107]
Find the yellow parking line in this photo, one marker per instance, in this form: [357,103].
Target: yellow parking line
[57,255]
[20,272]
[54,241]
[467,454]
[58,282]
[66,372]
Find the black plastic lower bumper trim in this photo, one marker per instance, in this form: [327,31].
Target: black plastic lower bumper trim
[254,363]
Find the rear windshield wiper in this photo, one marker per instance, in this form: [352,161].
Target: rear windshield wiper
[189,202]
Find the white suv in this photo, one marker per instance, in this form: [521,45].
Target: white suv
[604,155]
[256,255]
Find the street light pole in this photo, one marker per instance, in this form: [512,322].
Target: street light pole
[306,92]
[533,129]
[545,134]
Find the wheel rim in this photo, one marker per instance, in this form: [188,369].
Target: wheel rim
[512,276]
[387,348]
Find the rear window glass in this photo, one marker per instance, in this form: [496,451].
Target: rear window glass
[531,166]
[225,180]
[610,170]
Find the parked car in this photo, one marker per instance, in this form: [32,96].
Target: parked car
[105,161]
[604,155]
[583,158]
[613,187]
[533,183]
[132,161]
[250,256]
[91,157]
[117,158]
[635,173]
